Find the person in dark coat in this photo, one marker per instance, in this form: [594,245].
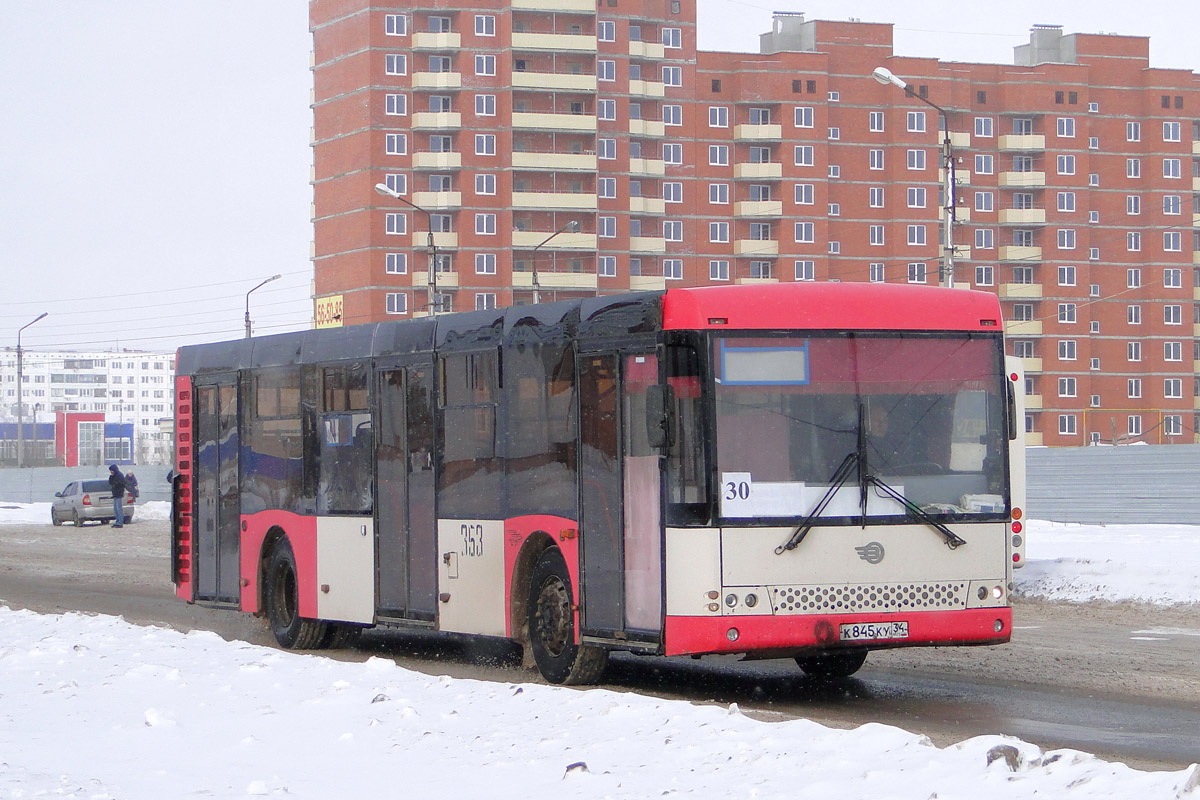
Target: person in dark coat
[131,485]
[116,483]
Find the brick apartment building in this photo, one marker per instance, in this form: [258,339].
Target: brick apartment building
[563,148]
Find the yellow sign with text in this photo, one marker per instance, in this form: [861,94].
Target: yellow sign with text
[329,311]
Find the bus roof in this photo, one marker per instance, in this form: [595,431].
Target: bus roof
[831,306]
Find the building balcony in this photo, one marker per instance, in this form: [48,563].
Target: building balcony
[1033,439]
[436,119]
[1196,148]
[963,214]
[1020,291]
[1022,180]
[766,170]
[1032,141]
[1014,327]
[959,138]
[755,281]
[1031,365]
[756,247]
[647,50]
[758,132]
[554,161]
[1014,253]
[574,200]
[581,6]
[556,122]
[647,205]
[527,240]
[573,42]
[1033,402]
[424,40]
[554,80]
[1196,293]
[647,166]
[648,88]
[437,80]
[445,280]
[647,283]
[1023,216]
[442,240]
[426,160]
[758,208]
[555,280]
[438,200]
[647,244]
[647,127]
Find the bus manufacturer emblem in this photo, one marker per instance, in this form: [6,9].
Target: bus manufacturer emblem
[872,553]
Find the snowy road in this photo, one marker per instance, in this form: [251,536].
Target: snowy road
[1118,680]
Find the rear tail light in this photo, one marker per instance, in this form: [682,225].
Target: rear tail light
[129,499]
[87,499]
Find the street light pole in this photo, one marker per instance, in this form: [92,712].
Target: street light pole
[21,394]
[950,208]
[434,300]
[537,295]
[256,288]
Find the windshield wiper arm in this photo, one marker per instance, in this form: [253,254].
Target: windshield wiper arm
[953,540]
[840,476]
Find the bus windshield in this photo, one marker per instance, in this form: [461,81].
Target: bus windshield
[803,421]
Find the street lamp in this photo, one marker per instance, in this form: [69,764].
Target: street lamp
[946,272]
[434,300]
[256,288]
[573,225]
[21,394]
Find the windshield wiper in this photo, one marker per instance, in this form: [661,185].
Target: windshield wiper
[840,476]
[953,540]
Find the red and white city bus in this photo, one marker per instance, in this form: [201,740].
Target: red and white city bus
[809,471]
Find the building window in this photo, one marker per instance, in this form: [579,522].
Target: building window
[984,201]
[1172,132]
[916,273]
[1066,387]
[877,272]
[485,263]
[606,149]
[1066,165]
[396,144]
[1066,239]
[1133,314]
[672,192]
[1133,388]
[606,266]
[673,269]
[672,38]
[718,270]
[804,194]
[916,235]
[485,224]
[1173,424]
[916,159]
[396,302]
[672,115]
[804,155]
[803,117]
[876,196]
[985,127]
[1066,312]
[1066,350]
[395,64]
[1133,168]
[1173,388]
[1172,278]
[606,109]
[805,232]
[1172,241]
[485,144]
[606,70]
[875,121]
[396,223]
[761,270]
[606,227]
[835,248]
[485,183]
[718,231]
[876,233]
[1067,425]
[1133,241]
[718,193]
[673,153]
[1066,202]
[1022,312]
[1172,315]
[396,105]
[1172,204]
[806,270]
[875,158]
[395,25]
[485,65]
[916,121]
[1172,168]
[984,164]
[985,239]
[985,275]
[396,182]
[672,230]
[1023,348]
[1172,351]
[718,117]
[1066,127]
[395,263]
[485,300]
[672,76]
[718,155]
[1133,351]
[1066,276]
[485,25]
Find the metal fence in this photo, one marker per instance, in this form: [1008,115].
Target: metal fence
[1131,484]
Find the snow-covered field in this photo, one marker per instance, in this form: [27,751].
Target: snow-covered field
[92,707]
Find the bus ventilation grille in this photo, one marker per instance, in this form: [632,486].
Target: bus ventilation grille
[886,597]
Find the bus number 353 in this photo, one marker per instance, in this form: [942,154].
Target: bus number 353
[472,540]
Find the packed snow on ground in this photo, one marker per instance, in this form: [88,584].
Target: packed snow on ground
[93,707]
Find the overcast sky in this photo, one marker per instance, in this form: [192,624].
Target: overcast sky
[154,156]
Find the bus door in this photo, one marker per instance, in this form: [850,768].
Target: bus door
[217,501]
[620,490]
[405,524]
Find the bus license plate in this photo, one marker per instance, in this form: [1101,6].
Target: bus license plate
[866,631]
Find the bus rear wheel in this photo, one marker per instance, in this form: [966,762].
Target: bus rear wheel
[836,664]
[283,604]
[552,626]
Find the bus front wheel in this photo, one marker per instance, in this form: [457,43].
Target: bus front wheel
[552,626]
[838,664]
[283,605]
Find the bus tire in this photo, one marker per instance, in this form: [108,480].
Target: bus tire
[551,611]
[340,637]
[283,603]
[835,664]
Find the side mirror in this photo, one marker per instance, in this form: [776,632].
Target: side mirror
[58,494]
[660,402]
